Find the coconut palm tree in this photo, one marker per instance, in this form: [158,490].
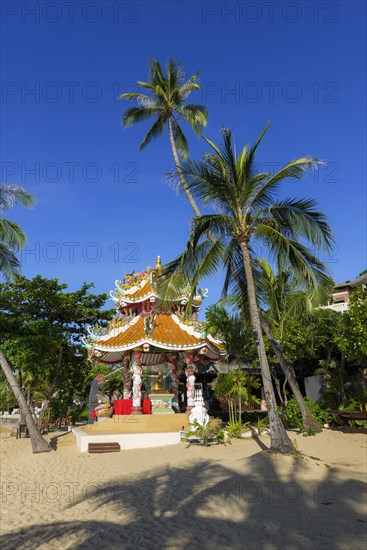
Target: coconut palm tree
[12,238]
[246,213]
[285,298]
[166,105]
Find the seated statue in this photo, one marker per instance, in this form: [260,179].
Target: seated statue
[158,384]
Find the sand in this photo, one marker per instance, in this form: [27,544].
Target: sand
[175,497]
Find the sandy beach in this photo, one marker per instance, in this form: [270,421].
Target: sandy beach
[181,497]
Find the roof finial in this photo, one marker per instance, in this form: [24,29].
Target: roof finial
[158,265]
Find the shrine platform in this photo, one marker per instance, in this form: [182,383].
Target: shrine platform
[134,431]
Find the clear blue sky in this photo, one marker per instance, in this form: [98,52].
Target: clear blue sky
[300,65]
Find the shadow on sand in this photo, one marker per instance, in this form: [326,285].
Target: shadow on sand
[179,508]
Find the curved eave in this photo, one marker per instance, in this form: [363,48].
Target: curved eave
[157,344]
[168,333]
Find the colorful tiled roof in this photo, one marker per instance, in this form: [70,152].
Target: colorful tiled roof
[138,293]
[168,333]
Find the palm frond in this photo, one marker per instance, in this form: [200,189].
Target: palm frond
[9,263]
[156,130]
[295,169]
[13,195]
[195,115]
[133,115]
[300,217]
[180,139]
[142,99]
[305,265]
[11,235]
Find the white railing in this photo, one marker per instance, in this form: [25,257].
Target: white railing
[340,307]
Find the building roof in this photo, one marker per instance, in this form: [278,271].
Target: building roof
[138,293]
[359,281]
[145,290]
[167,333]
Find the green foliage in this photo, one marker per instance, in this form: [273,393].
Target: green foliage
[236,388]
[353,327]
[204,433]
[222,437]
[83,415]
[166,104]
[7,398]
[293,416]
[12,238]
[236,428]
[262,423]
[235,330]
[41,330]
[113,382]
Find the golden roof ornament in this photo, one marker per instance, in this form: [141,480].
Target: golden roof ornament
[157,271]
[158,266]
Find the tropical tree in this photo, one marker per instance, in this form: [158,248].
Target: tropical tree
[353,327]
[166,105]
[236,387]
[41,331]
[41,327]
[234,329]
[39,444]
[285,299]
[246,213]
[12,238]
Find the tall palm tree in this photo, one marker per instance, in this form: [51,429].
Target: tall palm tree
[166,104]
[12,238]
[285,299]
[247,212]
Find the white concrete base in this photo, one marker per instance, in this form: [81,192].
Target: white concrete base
[127,441]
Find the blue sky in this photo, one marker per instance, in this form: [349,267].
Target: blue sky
[103,207]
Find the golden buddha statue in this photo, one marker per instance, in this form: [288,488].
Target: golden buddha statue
[158,384]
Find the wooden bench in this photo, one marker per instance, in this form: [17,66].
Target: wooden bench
[103,447]
[345,416]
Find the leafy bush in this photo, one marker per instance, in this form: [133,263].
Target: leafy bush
[293,416]
[262,423]
[204,433]
[222,437]
[82,415]
[235,429]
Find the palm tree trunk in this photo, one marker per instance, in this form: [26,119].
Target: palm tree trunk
[182,177]
[39,444]
[308,421]
[279,440]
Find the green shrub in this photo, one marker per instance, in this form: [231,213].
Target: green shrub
[204,433]
[293,416]
[82,415]
[235,429]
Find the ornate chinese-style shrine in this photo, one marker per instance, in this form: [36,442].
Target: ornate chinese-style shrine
[153,346]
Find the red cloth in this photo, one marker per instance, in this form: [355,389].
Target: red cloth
[122,406]
[147,406]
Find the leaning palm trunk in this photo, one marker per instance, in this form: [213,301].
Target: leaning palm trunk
[182,177]
[279,440]
[308,421]
[44,407]
[39,444]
